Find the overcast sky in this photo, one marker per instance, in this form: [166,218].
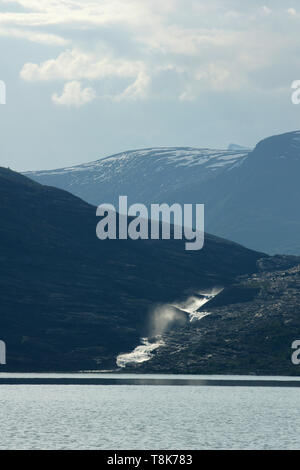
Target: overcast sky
[89,78]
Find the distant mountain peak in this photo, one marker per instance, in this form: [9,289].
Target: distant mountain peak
[237,147]
[145,175]
[279,147]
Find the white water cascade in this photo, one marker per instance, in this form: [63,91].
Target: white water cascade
[162,317]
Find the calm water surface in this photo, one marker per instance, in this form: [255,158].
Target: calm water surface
[148,417]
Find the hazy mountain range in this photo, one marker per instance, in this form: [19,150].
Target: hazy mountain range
[251,197]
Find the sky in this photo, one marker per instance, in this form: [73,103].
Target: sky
[90,78]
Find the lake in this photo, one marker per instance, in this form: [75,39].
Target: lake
[148,416]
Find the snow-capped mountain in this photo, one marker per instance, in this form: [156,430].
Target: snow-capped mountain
[145,176]
[250,197]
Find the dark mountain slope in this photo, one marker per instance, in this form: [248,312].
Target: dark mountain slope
[70,301]
[257,203]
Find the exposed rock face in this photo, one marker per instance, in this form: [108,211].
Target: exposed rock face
[250,329]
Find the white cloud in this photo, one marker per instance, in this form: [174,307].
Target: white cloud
[74,95]
[188,95]
[220,45]
[77,64]
[79,12]
[34,36]
[219,77]
[178,40]
[137,90]
[266,10]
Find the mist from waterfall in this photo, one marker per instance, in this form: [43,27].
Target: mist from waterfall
[164,318]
